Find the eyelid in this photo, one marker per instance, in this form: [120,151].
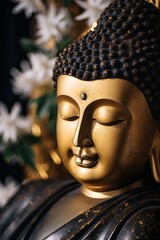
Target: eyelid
[109,116]
[68,111]
[72,118]
[113,123]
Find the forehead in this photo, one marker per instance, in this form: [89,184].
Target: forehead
[117,90]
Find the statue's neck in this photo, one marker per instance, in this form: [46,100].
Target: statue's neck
[107,195]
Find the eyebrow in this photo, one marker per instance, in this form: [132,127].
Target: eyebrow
[65,98]
[107,102]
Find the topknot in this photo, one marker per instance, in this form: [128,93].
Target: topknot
[125,44]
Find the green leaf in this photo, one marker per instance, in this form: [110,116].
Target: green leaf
[1,142]
[20,150]
[67,3]
[66,40]
[52,120]
[30,139]
[10,153]
[29,46]
[41,105]
[51,126]
[27,154]
[45,105]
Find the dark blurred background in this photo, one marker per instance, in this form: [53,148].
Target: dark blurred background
[13,27]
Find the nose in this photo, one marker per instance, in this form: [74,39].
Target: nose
[87,142]
[82,137]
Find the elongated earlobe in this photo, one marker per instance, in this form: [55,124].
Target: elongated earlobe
[155,159]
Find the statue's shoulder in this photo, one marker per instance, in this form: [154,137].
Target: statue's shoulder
[129,216]
[135,214]
[141,215]
[142,224]
[30,201]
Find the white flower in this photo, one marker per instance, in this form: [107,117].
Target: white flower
[7,190]
[54,24]
[35,73]
[42,66]
[23,82]
[29,6]
[93,9]
[12,124]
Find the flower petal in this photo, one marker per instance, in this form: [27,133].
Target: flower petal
[15,111]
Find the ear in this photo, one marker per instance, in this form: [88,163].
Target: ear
[155,158]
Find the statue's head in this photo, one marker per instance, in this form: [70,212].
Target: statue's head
[108,91]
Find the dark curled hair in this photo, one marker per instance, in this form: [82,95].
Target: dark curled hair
[125,44]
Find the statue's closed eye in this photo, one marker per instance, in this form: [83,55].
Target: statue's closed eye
[112,123]
[109,116]
[68,111]
[71,118]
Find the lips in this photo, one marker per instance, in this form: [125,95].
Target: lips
[86,161]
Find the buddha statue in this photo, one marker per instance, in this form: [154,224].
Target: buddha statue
[108,96]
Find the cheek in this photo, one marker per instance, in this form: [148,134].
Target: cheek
[136,149]
[65,136]
[140,141]
[62,142]
[61,137]
[109,141]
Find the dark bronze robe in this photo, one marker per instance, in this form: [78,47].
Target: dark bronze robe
[132,215]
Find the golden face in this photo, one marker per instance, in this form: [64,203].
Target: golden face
[104,131]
